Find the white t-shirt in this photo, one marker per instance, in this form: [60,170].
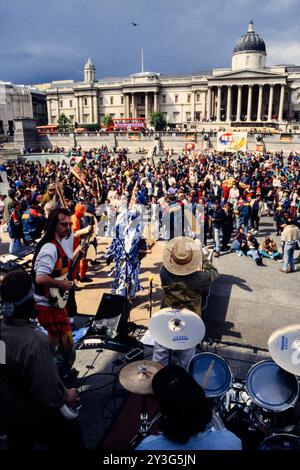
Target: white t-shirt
[45,262]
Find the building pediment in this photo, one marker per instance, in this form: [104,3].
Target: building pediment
[248,75]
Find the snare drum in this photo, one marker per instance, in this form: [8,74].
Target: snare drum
[271,387]
[280,442]
[211,372]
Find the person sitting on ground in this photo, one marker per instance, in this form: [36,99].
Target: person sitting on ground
[250,248]
[186,416]
[239,239]
[31,391]
[269,249]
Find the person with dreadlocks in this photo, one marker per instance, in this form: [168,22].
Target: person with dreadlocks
[49,263]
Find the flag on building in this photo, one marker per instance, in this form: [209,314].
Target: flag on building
[80,171]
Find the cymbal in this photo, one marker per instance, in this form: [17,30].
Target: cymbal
[176,329]
[137,376]
[284,348]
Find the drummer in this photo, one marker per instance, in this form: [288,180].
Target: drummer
[185,274]
[185,416]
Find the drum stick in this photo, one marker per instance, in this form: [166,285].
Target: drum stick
[207,374]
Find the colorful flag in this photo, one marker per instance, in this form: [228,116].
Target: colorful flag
[80,171]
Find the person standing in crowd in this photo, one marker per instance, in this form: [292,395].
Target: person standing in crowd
[290,236]
[31,391]
[217,217]
[227,227]
[78,223]
[33,222]
[186,416]
[257,208]
[185,275]
[15,230]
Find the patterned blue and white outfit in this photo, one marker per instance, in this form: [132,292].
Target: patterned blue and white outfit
[125,247]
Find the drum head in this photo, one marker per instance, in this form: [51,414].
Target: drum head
[211,372]
[280,442]
[271,387]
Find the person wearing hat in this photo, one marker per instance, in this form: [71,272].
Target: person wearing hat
[186,416]
[185,274]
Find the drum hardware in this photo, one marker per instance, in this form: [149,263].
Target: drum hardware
[281,441]
[136,377]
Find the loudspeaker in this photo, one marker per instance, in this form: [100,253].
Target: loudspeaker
[112,316]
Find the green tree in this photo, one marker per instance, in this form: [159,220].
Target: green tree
[63,123]
[158,121]
[107,120]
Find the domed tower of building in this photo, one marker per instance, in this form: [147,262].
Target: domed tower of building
[89,72]
[249,51]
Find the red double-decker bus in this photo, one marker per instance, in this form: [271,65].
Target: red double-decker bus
[51,129]
[129,124]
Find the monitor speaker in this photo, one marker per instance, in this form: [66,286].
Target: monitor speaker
[112,316]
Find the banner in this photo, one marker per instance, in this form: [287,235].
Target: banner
[80,171]
[232,141]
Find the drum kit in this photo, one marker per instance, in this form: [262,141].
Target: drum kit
[266,401]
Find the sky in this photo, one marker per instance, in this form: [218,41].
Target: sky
[45,40]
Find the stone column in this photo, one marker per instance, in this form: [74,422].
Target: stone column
[133,105]
[49,111]
[271,95]
[91,100]
[219,104]
[228,107]
[78,110]
[281,102]
[239,103]
[208,103]
[96,112]
[249,102]
[57,108]
[259,107]
[127,105]
[155,103]
[193,106]
[146,106]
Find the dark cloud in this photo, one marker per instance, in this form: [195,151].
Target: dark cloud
[47,40]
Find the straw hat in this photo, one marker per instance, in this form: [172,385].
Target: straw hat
[182,256]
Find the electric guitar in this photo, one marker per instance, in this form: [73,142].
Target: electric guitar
[59,297]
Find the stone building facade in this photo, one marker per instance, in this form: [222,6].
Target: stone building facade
[247,94]
[20,101]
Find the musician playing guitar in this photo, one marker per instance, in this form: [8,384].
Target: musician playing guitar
[49,264]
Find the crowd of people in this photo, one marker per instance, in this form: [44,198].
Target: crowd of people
[225,195]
